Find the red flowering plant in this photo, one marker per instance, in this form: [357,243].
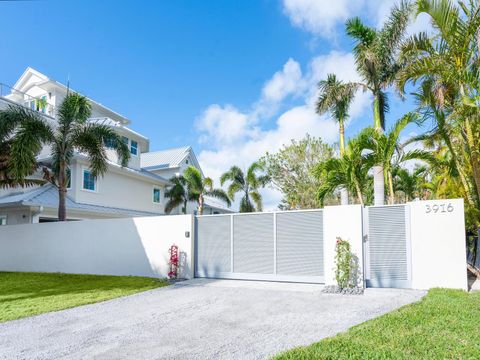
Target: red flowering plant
[174,262]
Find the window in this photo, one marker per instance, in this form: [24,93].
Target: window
[3,220]
[31,104]
[133,147]
[89,181]
[125,140]
[110,143]
[156,195]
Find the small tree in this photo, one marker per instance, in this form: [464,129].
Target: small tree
[291,172]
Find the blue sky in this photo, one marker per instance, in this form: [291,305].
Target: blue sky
[231,78]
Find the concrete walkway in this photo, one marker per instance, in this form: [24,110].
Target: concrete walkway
[198,319]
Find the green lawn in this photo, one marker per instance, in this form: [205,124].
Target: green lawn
[445,324]
[27,294]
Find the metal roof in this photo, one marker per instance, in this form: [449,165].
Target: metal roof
[217,204]
[169,158]
[47,196]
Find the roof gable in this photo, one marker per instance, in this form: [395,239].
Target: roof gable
[168,159]
[31,76]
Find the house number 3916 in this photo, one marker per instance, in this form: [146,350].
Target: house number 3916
[443,208]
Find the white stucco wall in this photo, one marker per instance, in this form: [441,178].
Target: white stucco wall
[118,189]
[136,246]
[438,247]
[344,222]
[16,216]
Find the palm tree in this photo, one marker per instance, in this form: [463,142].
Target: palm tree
[72,132]
[449,61]
[411,184]
[198,187]
[177,194]
[335,97]
[349,171]
[388,153]
[375,57]
[247,184]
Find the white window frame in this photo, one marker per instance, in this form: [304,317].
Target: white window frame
[2,217]
[84,169]
[153,194]
[130,147]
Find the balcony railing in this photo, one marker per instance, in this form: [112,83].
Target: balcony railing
[39,104]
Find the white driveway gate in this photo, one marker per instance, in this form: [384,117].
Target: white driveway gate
[282,246]
[387,246]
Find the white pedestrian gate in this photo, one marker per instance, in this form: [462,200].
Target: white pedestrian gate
[387,246]
[281,246]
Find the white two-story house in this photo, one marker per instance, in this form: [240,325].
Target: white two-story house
[135,190]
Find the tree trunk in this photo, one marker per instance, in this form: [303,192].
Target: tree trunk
[378,175]
[359,193]
[200,205]
[341,126]
[343,196]
[62,191]
[378,185]
[343,191]
[390,189]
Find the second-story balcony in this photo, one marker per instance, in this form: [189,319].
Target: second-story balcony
[18,97]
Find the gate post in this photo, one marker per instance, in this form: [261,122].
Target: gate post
[346,222]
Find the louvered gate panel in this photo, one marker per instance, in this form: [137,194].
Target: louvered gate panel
[253,244]
[300,243]
[388,256]
[213,250]
[283,246]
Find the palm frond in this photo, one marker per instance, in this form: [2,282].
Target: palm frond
[30,136]
[219,194]
[87,138]
[75,108]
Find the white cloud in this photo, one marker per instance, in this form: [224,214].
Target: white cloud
[283,83]
[222,125]
[232,137]
[319,17]
[326,18]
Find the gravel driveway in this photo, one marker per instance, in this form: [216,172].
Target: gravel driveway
[197,319]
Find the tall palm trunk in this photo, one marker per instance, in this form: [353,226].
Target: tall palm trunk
[378,173]
[200,205]
[62,191]
[343,191]
[391,192]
